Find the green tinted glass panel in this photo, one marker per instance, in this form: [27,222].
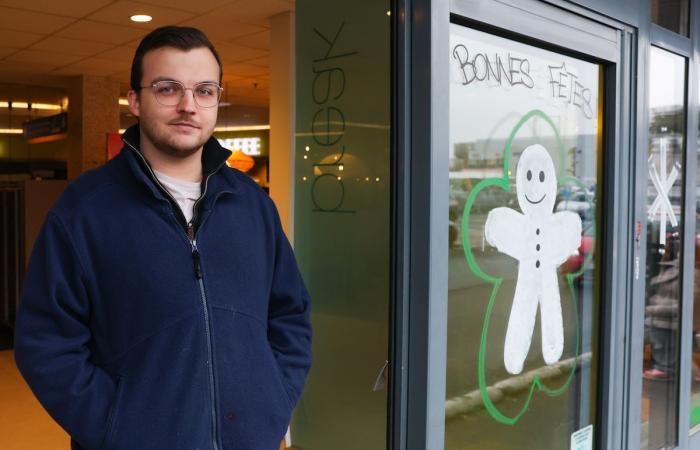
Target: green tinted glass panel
[525,182]
[341,218]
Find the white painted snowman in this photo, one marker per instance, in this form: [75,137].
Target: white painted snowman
[541,241]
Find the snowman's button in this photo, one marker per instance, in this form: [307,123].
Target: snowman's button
[537,231]
[537,264]
[538,247]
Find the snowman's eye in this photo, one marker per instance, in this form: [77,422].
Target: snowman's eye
[541,177]
[529,175]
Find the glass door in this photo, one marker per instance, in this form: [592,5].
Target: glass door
[695,346]
[526,190]
[664,250]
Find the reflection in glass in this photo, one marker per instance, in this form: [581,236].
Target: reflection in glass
[525,147]
[695,363]
[671,14]
[664,244]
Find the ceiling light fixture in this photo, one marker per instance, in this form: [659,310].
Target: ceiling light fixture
[45,106]
[123,101]
[141,18]
[25,105]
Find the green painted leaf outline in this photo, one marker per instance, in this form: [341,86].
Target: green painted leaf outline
[504,184]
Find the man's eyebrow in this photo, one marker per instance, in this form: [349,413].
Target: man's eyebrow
[162,78]
[157,79]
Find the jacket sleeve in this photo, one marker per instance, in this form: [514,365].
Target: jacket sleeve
[289,326]
[52,338]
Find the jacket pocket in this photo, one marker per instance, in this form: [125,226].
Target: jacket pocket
[113,413]
[280,379]
[163,396]
[254,404]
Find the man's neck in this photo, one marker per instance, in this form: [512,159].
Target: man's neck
[188,168]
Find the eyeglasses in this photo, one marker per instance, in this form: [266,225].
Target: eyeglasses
[170,93]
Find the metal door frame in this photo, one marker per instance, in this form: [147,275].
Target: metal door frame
[654,35]
[420,202]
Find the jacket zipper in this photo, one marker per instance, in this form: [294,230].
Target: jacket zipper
[155,178]
[199,275]
[200,279]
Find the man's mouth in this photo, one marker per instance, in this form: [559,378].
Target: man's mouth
[538,201]
[185,124]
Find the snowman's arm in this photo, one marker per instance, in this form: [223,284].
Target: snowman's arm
[567,227]
[504,230]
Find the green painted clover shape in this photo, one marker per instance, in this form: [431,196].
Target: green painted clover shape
[504,184]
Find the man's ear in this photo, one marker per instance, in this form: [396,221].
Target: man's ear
[134,102]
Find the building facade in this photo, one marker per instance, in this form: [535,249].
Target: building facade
[496,212]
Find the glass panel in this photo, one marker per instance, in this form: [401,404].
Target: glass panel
[664,244]
[671,14]
[342,218]
[525,173]
[695,389]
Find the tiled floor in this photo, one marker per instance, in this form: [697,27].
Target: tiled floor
[24,425]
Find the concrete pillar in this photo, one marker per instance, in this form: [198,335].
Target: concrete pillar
[282,118]
[93,111]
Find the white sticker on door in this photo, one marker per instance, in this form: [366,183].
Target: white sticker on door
[582,439]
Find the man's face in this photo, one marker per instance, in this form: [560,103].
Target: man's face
[178,130]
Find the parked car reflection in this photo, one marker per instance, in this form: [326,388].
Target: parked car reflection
[578,201]
[575,262]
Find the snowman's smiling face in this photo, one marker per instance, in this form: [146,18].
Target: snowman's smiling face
[535,181]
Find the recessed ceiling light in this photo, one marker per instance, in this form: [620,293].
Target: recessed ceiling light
[141,18]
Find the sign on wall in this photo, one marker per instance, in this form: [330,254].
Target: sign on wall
[46,129]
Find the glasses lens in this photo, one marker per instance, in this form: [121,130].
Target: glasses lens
[168,93]
[207,94]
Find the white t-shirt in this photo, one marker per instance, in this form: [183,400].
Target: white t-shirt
[185,193]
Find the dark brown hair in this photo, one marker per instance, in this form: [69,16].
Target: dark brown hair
[181,38]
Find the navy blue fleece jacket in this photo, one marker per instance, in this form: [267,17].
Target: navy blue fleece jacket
[137,331]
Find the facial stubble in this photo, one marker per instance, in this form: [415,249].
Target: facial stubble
[165,142]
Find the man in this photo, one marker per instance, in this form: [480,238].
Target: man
[163,308]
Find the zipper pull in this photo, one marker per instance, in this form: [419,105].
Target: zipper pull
[197,264]
[190,231]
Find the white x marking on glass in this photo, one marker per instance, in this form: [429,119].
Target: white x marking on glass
[662,203]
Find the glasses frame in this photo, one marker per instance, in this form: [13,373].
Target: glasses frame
[184,89]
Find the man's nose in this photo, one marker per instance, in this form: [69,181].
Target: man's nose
[187,103]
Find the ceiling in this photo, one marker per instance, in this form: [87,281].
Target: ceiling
[42,39]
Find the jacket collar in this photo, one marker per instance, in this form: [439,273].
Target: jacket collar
[213,158]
